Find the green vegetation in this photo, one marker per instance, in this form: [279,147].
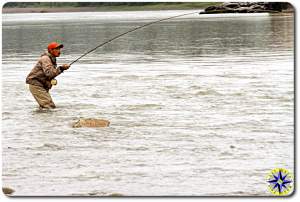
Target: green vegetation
[113,5]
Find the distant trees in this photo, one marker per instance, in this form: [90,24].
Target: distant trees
[76,4]
[273,5]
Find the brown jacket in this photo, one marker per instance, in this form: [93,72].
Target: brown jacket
[43,72]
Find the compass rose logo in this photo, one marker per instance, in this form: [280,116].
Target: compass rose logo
[280,182]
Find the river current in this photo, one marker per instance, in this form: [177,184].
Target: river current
[199,105]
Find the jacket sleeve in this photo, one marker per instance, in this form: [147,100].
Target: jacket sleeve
[48,68]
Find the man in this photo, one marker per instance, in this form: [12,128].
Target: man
[40,77]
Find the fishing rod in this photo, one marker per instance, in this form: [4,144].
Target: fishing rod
[132,30]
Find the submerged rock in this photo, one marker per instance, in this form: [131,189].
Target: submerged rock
[92,123]
[7,190]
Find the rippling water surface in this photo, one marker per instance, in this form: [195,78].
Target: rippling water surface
[198,105]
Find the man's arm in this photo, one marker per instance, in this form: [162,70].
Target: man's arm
[49,69]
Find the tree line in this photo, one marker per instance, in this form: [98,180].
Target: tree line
[79,4]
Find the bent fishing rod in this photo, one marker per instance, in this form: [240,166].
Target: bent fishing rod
[132,30]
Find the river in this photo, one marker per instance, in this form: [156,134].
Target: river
[199,105]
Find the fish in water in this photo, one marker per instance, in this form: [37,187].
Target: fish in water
[94,123]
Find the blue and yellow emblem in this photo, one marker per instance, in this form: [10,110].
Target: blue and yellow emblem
[280,182]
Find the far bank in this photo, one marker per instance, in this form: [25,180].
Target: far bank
[53,9]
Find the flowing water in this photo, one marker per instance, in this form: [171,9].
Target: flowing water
[199,105]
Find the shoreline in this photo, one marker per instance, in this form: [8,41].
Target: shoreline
[49,10]
[106,9]
[95,9]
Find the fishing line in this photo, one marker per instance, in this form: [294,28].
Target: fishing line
[132,30]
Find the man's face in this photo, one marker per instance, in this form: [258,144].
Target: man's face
[55,52]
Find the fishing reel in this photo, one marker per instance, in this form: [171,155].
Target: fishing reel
[54,82]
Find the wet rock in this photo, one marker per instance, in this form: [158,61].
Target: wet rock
[115,195]
[257,6]
[92,123]
[210,8]
[93,193]
[243,10]
[100,193]
[231,5]
[7,190]
[246,7]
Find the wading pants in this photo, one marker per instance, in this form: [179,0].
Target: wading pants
[42,96]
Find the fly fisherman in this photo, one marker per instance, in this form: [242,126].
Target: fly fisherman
[41,77]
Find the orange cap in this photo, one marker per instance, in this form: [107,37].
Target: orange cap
[54,45]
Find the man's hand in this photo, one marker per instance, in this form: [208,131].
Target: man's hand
[64,67]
